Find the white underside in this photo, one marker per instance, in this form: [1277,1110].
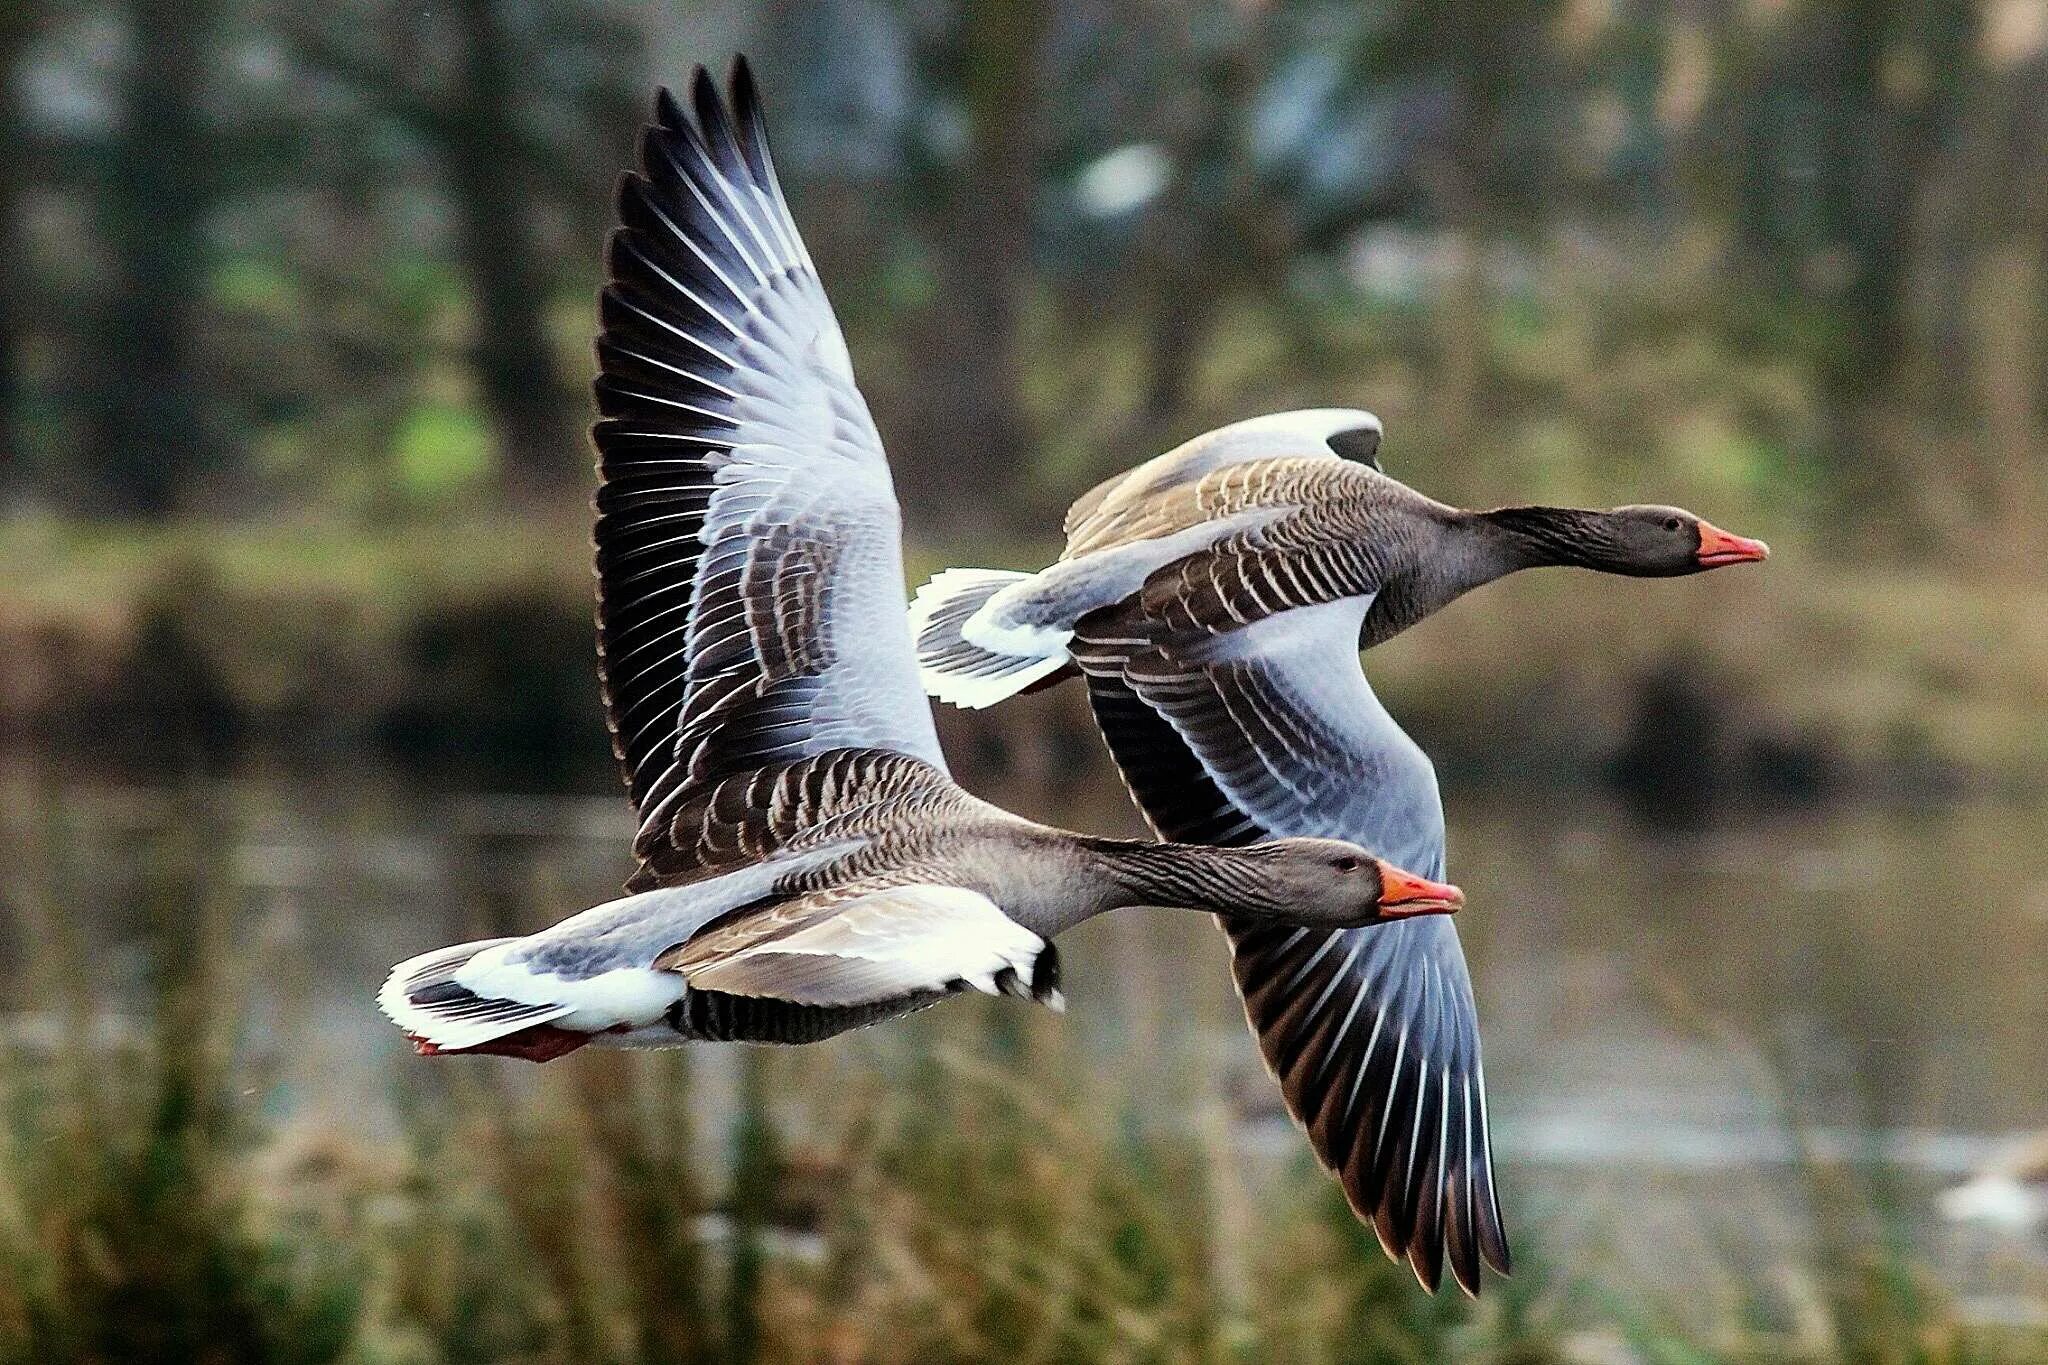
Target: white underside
[631,996]
[987,630]
[882,946]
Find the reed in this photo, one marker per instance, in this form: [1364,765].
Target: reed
[958,1188]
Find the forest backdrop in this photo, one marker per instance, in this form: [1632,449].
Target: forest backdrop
[296,299]
[294,333]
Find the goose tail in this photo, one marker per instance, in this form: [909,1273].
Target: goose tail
[440,1015]
[969,662]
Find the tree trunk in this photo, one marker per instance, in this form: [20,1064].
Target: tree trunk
[15,31]
[1199,236]
[2008,356]
[977,439]
[151,431]
[522,394]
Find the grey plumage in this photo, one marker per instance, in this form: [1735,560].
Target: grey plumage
[806,863]
[1215,599]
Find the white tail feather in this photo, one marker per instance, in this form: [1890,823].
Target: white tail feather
[966,671]
[423,997]
[474,993]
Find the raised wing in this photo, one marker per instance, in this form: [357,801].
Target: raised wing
[1272,730]
[1104,515]
[748,546]
[845,947]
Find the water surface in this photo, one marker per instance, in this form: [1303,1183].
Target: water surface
[1683,1032]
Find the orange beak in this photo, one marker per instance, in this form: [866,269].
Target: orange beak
[1718,547]
[1404,893]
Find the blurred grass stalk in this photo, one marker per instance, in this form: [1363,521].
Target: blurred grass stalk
[990,1196]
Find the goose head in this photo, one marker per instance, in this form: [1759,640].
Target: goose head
[1640,542]
[1331,883]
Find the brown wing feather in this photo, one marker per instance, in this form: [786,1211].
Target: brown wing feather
[788,807]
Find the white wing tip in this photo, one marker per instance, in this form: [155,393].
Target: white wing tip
[462,1017]
[430,1027]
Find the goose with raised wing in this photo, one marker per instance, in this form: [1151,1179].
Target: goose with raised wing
[806,864]
[1216,600]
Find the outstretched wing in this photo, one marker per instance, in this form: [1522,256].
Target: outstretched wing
[1272,730]
[749,553]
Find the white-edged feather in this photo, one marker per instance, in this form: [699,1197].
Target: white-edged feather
[881,946]
[977,694]
[629,996]
[465,1021]
[971,663]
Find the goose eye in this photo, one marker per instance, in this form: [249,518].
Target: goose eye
[1671,523]
[1347,863]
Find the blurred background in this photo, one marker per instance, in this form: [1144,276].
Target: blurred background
[296,670]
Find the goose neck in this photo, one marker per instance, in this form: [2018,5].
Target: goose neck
[1517,538]
[1189,876]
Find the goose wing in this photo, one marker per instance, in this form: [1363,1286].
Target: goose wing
[785,809]
[1105,514]
[749,553]
[1272,730]
[849,946]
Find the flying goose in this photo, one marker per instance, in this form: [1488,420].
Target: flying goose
[806,864]
[1216,599]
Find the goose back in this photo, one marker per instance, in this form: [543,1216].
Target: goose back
[787,808]
[1304,435]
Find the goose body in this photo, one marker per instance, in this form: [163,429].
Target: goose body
[1265,516]
[1247,569]
[806,863]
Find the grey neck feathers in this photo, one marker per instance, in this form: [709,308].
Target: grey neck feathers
[1539,537]
[1190,876]
[1466,550]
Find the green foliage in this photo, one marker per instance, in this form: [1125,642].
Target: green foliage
[132,1233]
[440,449]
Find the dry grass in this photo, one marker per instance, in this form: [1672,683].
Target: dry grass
[949,1189]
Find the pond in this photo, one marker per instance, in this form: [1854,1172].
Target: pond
[1759,1046]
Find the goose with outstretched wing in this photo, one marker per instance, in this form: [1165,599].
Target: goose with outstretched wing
[807,865]
[1215,599]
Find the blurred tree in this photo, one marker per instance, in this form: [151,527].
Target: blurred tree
[492,188]
[988,61]
[17,28]
[1205,238]
[1486,81]
[1842,112]
[524,108]
[152,427]
[346,249]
